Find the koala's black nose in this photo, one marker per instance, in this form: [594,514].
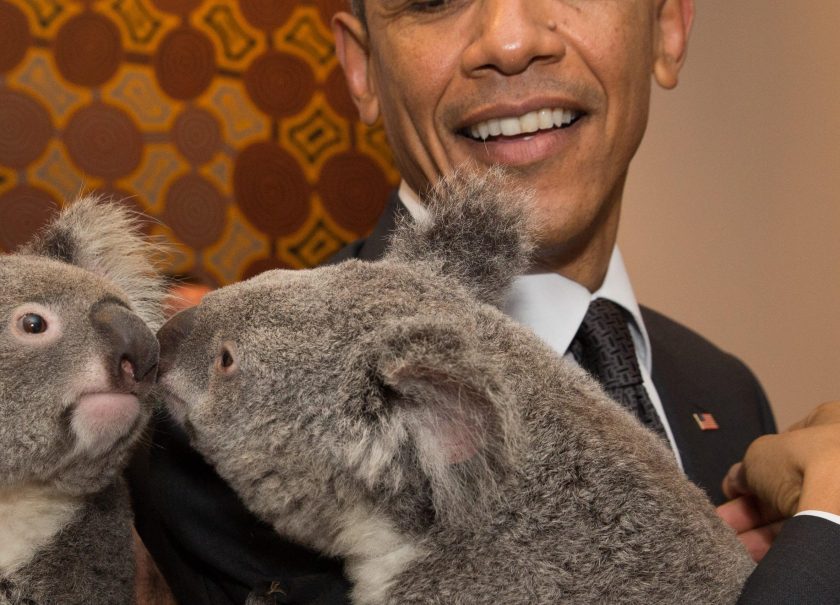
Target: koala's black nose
[132,349]
[171,335]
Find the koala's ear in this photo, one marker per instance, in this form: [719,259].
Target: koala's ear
[451,402]
[478,231]
[105,238]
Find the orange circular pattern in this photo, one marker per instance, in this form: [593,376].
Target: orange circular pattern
[352,189]
[88,49]
[271,189]
[104,141]
[14,36]
[267,14]
[196,211]
[22,211]
[228,123]
[279,84]
[25,129]
[197,135]
[185,64]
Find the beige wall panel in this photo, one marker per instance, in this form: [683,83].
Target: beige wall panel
[732,215]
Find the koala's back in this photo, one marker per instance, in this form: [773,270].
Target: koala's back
[89,562]
[598,511]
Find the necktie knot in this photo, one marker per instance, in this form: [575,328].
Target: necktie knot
[603,346]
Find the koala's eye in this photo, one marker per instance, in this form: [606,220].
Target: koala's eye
[32,323]
[226,359]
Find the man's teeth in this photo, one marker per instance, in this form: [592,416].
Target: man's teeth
[530,122]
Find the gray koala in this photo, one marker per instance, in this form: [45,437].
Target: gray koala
[389,413]
[78,306]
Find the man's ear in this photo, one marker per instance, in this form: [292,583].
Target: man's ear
[351,47]
[673,26]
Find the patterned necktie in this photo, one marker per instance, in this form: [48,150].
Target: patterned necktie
[604,347]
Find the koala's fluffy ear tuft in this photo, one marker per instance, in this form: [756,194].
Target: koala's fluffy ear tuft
[456,411]
[477,231]
[104,238]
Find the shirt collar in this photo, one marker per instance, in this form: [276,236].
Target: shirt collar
[412,203]
[554,306]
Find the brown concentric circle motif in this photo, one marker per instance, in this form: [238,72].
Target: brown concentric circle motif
[195,211]
[23,210]
[177,7]
[279,84]
[354,190]
[14,36]
[185,63]
[338,96]
[197,135]
[271,189]
[88,49]
[25,129]
[328,8]
[103,141]
[267,14]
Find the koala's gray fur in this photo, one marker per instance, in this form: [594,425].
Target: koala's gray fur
[72,393]
[383,413]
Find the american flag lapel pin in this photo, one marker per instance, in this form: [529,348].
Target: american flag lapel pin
[706,421]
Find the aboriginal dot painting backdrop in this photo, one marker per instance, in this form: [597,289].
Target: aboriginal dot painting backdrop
[227,122]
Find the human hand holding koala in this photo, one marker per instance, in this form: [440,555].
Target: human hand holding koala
[77,355]
[390,414]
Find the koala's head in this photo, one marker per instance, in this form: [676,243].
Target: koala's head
[77,352]
[317,393]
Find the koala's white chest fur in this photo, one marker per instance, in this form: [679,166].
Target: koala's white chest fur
[29,518]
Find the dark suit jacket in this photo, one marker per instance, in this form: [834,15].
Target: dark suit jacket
[212,550]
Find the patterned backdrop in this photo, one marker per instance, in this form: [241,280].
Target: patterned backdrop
[227,122]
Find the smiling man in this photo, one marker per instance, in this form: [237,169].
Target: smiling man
[558,91]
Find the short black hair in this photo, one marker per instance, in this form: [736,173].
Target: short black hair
[358,9]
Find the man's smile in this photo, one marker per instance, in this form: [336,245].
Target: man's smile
[528,123]
[522,140]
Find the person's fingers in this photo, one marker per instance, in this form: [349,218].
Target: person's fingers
[773,471]
[735,482]
[741,514]
[759,540]
[745,513]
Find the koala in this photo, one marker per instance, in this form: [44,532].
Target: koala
[79,306]
[389,413]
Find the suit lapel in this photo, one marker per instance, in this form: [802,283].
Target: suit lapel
[692,376]
[374,246]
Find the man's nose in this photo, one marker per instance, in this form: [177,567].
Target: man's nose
[511,35]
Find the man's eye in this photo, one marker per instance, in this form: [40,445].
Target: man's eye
[429,6]
[32,323]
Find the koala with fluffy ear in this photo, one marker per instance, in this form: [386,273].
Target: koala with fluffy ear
[78,354]
[390,414]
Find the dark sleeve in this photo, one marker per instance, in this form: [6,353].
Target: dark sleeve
[208,546]
[802,567]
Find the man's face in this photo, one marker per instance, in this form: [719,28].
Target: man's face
[557,90]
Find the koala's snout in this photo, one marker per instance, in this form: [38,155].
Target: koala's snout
[171,335]
[132,349]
